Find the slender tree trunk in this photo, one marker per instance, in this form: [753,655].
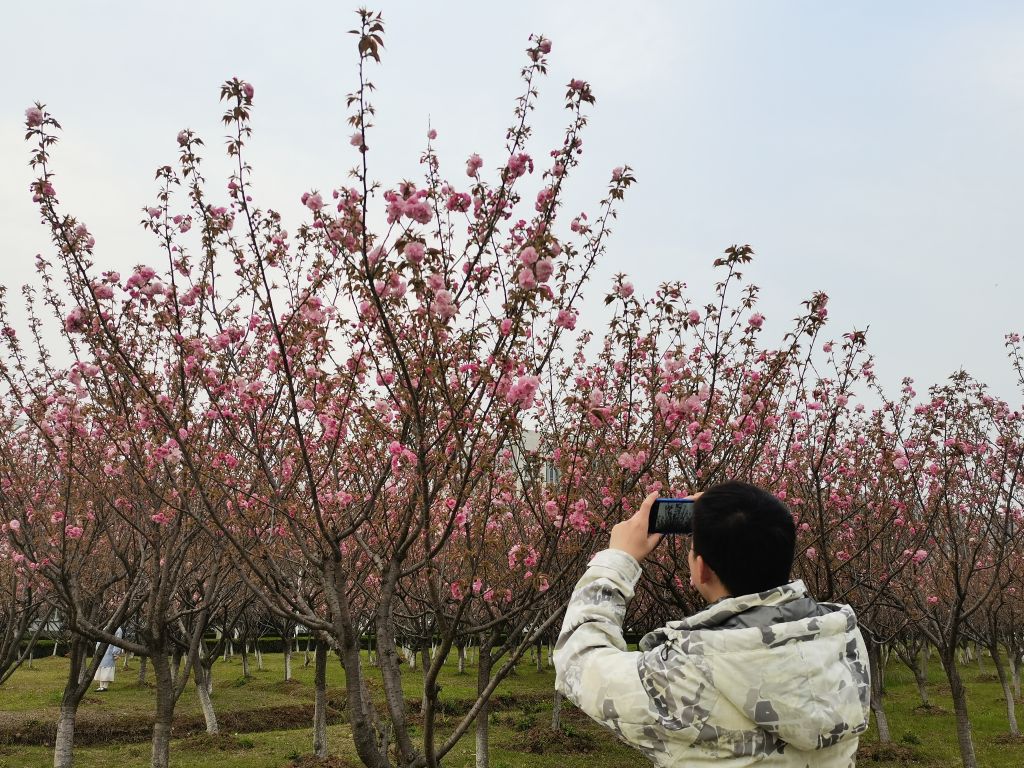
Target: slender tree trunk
[391,677]
[1011,652]
[963,722]
[920,669]
[64,743]
[175,667]
[426,668]
[202,675]
[462,659]
[287,658]
[78,681]
[539,647]
[246,672]
[320,700]
[556,712]
[164,710]
[877,689]
[143,661]
[483,677]
[1004,681]
[259,656]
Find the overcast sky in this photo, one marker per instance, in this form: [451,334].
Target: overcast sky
[873,150]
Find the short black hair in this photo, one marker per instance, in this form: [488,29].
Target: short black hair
[746,535]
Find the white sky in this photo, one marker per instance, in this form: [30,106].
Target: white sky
[873,150]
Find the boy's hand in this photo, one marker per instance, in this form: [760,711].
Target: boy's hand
[631,535]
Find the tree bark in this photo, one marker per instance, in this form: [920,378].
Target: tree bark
[64,743]
[425,657]
[287,657]
[877,689]
[1004,681]
[78,681]
[556,712]
[201,675]
[164,711]
[963,722]
[483,677]
[143,662]
[1011,652]
[462,659]
[320,700]
[921,677]
[246,672]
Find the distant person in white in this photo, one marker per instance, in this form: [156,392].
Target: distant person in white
[108,665]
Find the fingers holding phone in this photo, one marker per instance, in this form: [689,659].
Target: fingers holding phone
[632,536]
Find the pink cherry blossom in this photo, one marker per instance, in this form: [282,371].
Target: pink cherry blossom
[756,320]
[520,164]
[34,117]
[313,201]
[414,252]
[527,279]
[15,524]
[625,289]
[473,164]
[544,269]
[523,391]
[566,319]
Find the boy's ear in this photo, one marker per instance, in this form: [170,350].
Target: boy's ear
[700,570]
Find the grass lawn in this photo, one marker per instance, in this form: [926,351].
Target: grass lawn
[268,717]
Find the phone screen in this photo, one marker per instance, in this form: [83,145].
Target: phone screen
[671,516]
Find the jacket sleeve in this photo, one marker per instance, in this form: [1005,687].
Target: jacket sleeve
[592,666]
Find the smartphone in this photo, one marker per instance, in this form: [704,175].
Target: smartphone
[671,516]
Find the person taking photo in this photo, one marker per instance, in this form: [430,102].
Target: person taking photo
[763,675]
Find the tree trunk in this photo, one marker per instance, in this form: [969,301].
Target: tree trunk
[287,658]
[143,661]
[64,743]
[556,712]
[259,656]
[920,670]
[877,690]
[320,700]
[483,677]
[1011,652]
[462,659]
[426,668]
[539,647]
[246,672]
[1004,681]
[202,675]
[963,722]
[164,710]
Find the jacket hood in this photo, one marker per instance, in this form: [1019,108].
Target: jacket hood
[795,667]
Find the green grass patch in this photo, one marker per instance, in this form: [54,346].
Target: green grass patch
[266,720]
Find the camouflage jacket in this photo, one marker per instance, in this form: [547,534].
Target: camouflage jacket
[774,679]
